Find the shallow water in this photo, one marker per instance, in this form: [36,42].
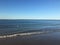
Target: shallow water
[23,26]
[39,39]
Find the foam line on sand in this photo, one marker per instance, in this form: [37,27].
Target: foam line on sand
[21,34]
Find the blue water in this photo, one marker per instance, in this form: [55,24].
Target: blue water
[19,26]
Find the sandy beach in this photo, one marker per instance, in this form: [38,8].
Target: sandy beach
[39,39]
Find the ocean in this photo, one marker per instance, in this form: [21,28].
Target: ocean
[10,27]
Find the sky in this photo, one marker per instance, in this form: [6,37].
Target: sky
[29,9]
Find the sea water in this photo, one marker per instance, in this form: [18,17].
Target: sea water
[8,27]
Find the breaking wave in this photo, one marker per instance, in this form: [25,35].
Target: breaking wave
[22,34]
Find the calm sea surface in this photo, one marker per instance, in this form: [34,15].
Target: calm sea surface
[19,26]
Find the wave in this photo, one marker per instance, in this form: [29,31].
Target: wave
[32,32]
[22,34]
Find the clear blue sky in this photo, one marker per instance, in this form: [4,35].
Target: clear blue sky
[29,9]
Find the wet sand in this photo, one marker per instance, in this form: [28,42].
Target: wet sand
[40,39]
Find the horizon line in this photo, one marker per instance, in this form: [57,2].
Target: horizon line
[29,19]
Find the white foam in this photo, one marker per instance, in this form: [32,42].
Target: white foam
[21,34]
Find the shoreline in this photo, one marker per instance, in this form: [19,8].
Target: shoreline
[26,34]
[43,39]
[22,34]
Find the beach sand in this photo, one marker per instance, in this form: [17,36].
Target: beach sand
[39,39]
